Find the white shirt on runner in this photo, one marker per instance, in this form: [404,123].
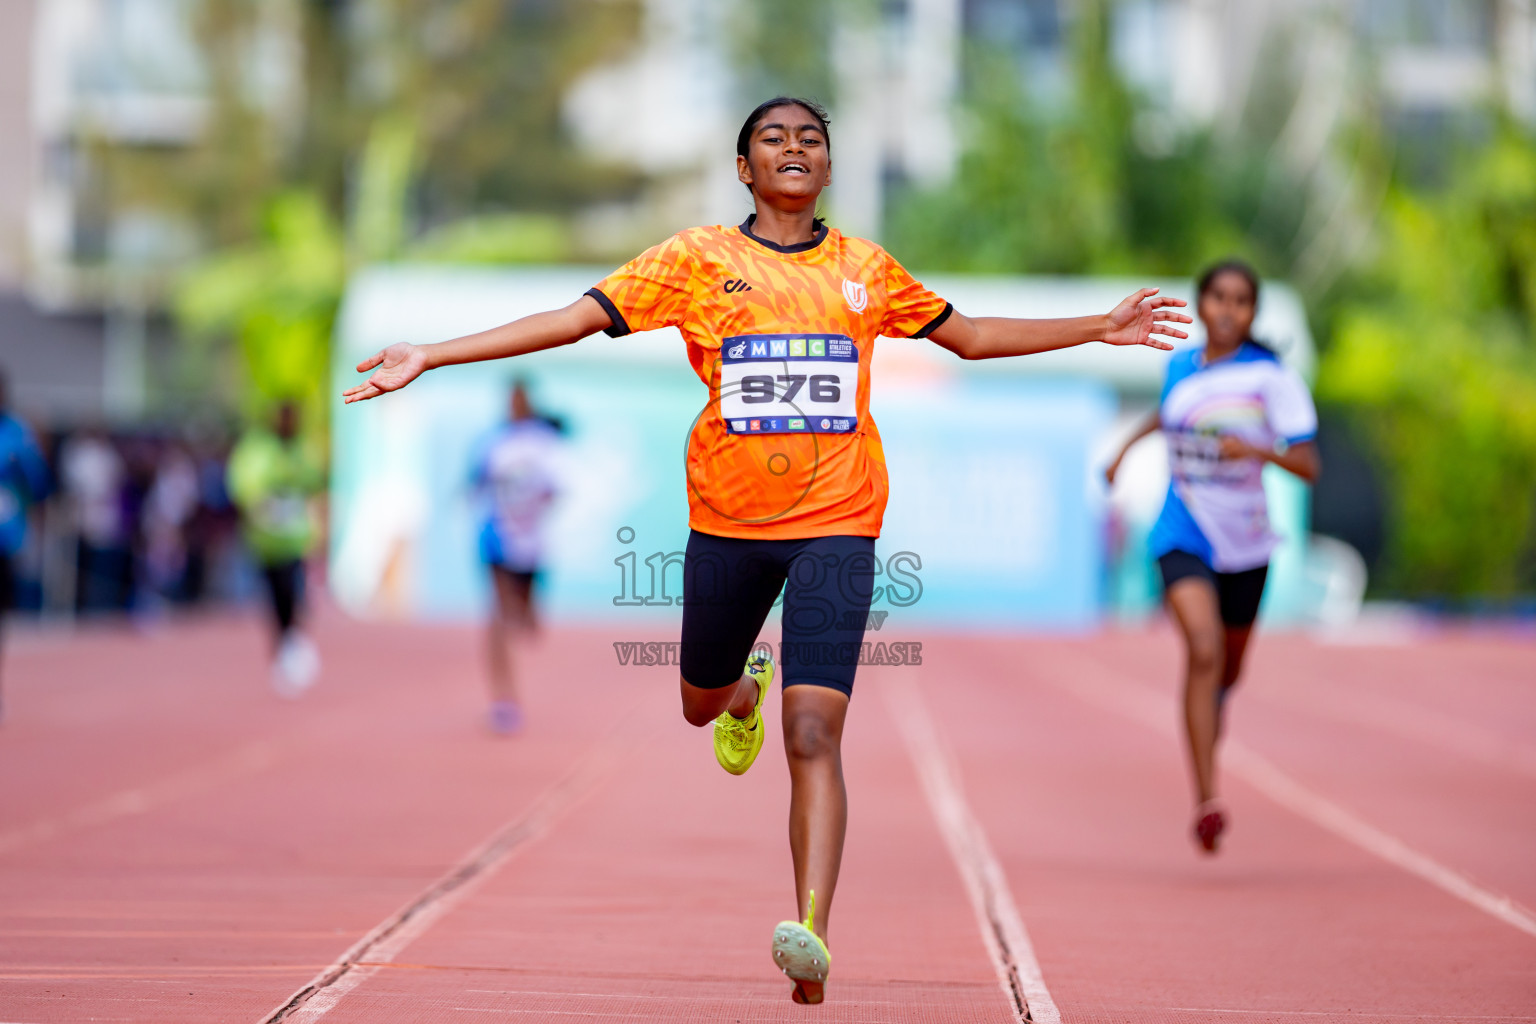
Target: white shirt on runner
[1215,507]
[516,473]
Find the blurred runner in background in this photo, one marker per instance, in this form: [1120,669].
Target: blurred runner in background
[1227,409]
[94,477]
[515,475]
[166,515]
[23,481]
[271,480]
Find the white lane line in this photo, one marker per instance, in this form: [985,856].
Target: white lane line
[1352,1014]
[997,916]
[1151,709]
[1410,722]
[377,949]
[1265,776]
[244,760]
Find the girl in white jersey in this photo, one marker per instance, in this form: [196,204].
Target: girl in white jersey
[1226,409]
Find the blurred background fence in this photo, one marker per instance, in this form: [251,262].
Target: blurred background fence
[190,188]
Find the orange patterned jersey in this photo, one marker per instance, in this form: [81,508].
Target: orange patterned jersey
[783,337]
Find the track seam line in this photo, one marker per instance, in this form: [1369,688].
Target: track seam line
[1142,705]
[391,936]
[997,915]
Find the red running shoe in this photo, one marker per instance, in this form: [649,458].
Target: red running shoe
[1210,822]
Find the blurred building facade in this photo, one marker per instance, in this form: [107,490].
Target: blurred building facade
[79,78]
[86,86]
[898,72]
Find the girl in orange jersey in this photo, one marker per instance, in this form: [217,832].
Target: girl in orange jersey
[786,476]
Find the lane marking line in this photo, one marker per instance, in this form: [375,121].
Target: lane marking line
[1265,776]
[1411,722]
[244,760]
[997,915]
[386,940]
[1349,1013]
[249,758]
[1147,707]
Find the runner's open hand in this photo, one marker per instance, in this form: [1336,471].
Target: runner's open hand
[1138,320]
[397,365]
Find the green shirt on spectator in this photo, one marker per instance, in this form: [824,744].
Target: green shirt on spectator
[271,482]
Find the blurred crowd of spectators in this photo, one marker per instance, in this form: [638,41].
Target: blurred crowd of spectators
[124,521]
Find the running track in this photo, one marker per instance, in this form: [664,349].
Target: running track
[178,845]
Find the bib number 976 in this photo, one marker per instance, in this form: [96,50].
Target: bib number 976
[758,389]
[785,384]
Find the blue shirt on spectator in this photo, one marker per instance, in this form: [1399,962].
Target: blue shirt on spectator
[23,480]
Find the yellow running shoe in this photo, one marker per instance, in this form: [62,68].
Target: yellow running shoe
[737,740]
[799,952]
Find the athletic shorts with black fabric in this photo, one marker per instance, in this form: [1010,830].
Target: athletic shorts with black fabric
[729,585]
[1237,593]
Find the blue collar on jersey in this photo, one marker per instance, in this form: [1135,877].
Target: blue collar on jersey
[1249,351]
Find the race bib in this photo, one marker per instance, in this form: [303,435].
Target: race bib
[789,383]
[1195,456]
[285,512]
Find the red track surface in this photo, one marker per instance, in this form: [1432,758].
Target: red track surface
[176,844]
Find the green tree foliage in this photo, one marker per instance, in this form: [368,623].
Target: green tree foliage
[417,128]
[1094,184]
[1434,354]
[276,297]
[784,47]
[1428,331]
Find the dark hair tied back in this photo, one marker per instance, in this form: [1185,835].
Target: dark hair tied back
[1229,266]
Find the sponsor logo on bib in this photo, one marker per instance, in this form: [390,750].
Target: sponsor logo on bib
[855,295]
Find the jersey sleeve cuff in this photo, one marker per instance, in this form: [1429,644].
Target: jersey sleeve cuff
[933,324]
[618,328]
[1300,438]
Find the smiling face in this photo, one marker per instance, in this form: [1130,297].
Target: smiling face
[1227,308]
[788,163]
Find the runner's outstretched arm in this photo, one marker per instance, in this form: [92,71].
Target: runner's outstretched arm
[1136,321]
[399,364]
[1149,425]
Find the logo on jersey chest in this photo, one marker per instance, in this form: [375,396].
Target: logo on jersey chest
[855,295]
[735,285]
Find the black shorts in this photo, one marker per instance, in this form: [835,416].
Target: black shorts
[729,585]
[522,580]
[7,583]
[1238,593]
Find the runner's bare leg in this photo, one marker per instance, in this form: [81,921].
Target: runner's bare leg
[1195,608]
[701,706]
[1236,647]
[818,801]
[508,616]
